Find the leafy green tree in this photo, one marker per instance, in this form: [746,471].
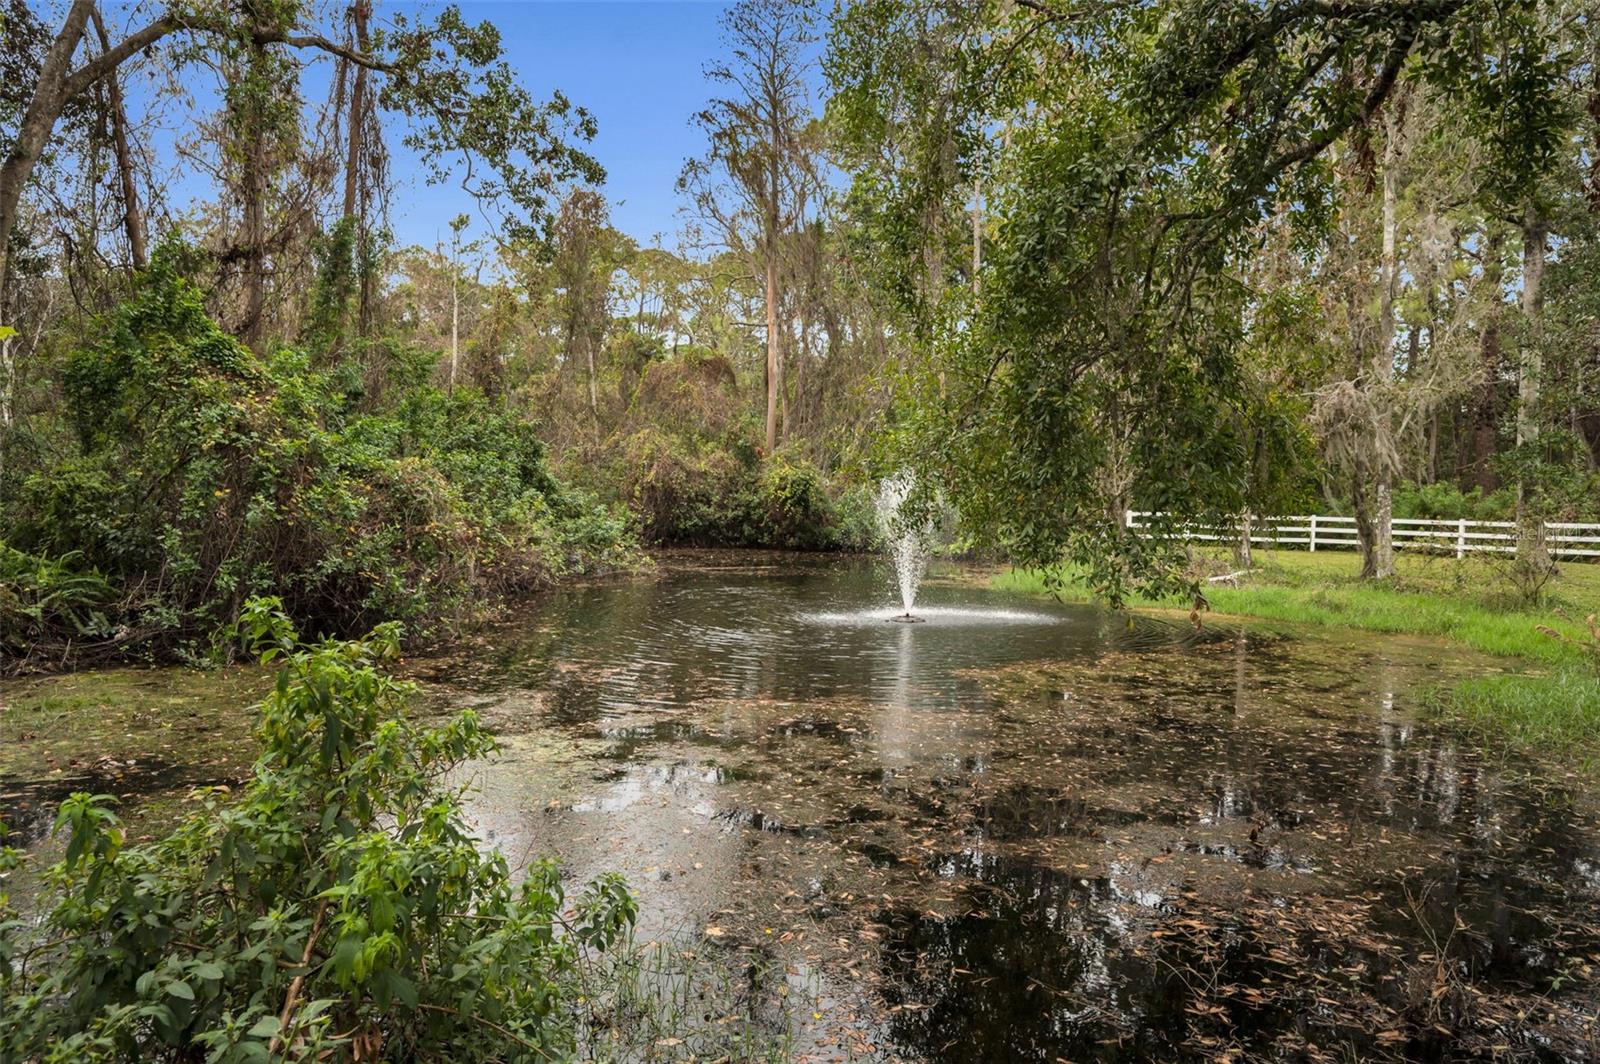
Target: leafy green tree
[587,253]
[1097,366]
[203,474]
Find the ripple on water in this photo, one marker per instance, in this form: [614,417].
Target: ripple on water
[942,616]
[1031,831]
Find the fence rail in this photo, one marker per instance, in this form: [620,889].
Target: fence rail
[1328,532]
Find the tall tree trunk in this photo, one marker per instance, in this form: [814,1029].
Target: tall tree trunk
[1434,425]
[1361,508]
[801,361]
[455,321]
[785,352]
[1383,362]
[38,120]
[1484,427]
[1430,449]
[771,222]
[594,383]
[1413,357]
[356,127]
[50,94]
[355,196]
[1592,185]
[1532,551]
[8,385]
[1118,482]
[132,217]
[773,369]
[354,207]
[254,190]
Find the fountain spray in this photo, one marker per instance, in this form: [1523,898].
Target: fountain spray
[908,544]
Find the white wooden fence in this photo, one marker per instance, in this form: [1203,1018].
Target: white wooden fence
[1323,532]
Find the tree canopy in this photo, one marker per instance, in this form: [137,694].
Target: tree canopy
[1133,158]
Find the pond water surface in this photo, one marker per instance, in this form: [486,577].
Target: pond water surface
[1038,832]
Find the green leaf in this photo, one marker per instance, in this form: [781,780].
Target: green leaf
[251,1051]
[179,989]
[265,1027]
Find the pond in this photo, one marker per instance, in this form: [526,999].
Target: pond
[1033,832]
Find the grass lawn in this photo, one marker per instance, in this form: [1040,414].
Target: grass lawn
[1553,704]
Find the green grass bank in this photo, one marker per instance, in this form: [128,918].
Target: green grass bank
[1550,702]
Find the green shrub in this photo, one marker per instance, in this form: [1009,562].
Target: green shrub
[1444,501]
[338,907]
[856,526]
[205,475]
[795,509]
[692,492]
[686,495]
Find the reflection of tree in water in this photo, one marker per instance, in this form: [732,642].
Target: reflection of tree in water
[698,634]
[1040,967]
[1294,799]
[1397,843]
[895,727]
[1043,965]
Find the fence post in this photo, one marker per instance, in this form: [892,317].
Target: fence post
[1313,533]
[1461,538]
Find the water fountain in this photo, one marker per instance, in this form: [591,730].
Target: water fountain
[908,543]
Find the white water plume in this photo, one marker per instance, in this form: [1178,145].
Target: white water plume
[908,543]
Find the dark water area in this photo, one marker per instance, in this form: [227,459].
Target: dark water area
[1022,831]
[142,735]
[1037,832]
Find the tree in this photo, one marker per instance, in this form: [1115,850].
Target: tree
[457,224]
[1149,141]
[587,253]
[754,181]
[902,84]
[132,216]
[1380,554]
[1526,110]
[444,76]
[1406,300]
[654,285]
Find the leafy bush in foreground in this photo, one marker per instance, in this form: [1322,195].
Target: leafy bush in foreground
[337,909]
